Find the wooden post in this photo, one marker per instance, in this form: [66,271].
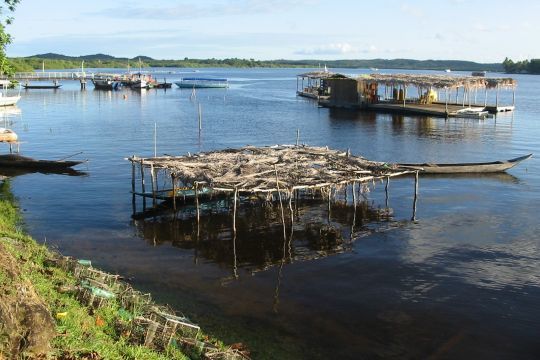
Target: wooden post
[464,91]
[386,191]
[143,188]
[153,182]
[354,211]
[197,202]
[281,205]
[133,184]
[297,137]
[513,96]
[234,210]
[485,96]
[404,94]
[415,196]
[457,95]
[291,209]
[173,179]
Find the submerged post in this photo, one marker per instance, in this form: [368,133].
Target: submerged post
[297,137]
[497,99]
[513,96]
[133,184]
[280,204]
[200,117]
[415,196]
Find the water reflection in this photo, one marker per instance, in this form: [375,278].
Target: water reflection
[260,242]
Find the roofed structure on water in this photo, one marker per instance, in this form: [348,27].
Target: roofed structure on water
[440,81]
[270,169]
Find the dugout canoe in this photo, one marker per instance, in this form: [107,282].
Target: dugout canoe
[23,162]
[462,168]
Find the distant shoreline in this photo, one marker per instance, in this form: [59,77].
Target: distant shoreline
[57,61]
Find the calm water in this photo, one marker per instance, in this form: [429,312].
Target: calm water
[461,282]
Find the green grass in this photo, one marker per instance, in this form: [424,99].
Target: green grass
[81,331]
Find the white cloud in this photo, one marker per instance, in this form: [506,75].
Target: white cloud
[330,49]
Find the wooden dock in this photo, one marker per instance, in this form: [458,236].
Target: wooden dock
[435,109]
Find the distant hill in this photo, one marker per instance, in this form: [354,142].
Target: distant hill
[59,61]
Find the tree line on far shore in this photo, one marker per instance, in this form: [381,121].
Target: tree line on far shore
[526,66]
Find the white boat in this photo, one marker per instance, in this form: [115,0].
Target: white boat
[139,84]
[7,100]
[475,113]
[448,70]
[192,82]
[7,135]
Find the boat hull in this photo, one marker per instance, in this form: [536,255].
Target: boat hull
[9,100]
[7,135]
[462,168]
[23,162]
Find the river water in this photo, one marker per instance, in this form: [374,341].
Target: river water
[463,281]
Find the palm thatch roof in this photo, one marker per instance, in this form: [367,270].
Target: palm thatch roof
[440,81]
[270,169]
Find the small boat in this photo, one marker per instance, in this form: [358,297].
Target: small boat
[105,83]
[23,162]
[448,70]
[475,113]
[139,84]
[461,168]
[7,135]
[191,83]
[163,85]
[54,86]
[9,100]
[479,73]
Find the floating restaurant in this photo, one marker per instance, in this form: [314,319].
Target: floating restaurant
[436,95]
[313,84]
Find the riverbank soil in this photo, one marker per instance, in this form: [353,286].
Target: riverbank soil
[26,325]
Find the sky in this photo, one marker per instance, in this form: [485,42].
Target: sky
[476,30]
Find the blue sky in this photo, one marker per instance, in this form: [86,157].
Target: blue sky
[484,31]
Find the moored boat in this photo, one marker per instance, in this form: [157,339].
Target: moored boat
[461,168]
[191,83]
[8,100]
[7,135]
[105,83]
[23,162]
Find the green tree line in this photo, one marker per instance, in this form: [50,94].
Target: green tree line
[526,66]
[57,61]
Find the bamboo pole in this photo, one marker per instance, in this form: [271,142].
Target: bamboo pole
[133,185]
[415,196]
[354,207]
[513,96]
[200,117]
[485,96]
[297,137]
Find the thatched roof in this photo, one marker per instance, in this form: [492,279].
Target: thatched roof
[317,75]
[440,81]
[253,169]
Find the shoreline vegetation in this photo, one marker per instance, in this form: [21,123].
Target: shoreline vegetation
[58,61]
[42,314]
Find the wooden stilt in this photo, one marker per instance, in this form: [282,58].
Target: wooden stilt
[197,202]
[415,196]
[497,99]
[143,187]
[485,97]
[173,179]
[297,137]
[234,209]
[281,205]
[514,97]
[386,190]
[133,202]
[153,182]
[354,211]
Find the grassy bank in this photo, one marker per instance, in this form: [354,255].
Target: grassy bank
[38,313]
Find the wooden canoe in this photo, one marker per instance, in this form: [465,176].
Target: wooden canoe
[23,162]
[461,168]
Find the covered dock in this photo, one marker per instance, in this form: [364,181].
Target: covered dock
[438,95]
[312,84]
